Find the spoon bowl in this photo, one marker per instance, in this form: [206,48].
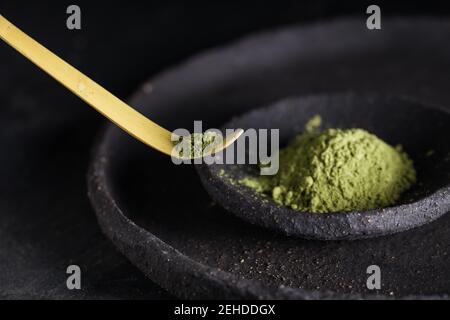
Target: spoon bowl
[423,132]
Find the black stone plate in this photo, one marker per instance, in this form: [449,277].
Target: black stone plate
[162,219]
[422,131]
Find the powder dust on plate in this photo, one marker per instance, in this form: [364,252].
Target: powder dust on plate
[337,170]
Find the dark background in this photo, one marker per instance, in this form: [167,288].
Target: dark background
[46,133]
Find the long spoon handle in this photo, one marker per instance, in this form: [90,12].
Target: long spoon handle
[99,98]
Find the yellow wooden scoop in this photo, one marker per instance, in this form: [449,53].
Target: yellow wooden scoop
[92,93]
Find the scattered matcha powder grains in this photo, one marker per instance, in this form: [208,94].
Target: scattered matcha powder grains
[196,144]
[337,170]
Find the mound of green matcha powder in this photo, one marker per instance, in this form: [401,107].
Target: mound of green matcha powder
[337,170]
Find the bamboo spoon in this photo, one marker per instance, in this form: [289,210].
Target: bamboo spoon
[96,96]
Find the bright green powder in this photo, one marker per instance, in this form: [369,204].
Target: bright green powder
[337,170]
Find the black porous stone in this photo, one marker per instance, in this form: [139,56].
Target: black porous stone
[419,129]
[187,244]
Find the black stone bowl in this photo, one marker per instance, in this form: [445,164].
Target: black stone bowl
[423,132]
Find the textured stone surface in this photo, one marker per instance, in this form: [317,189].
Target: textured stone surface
[194,248]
